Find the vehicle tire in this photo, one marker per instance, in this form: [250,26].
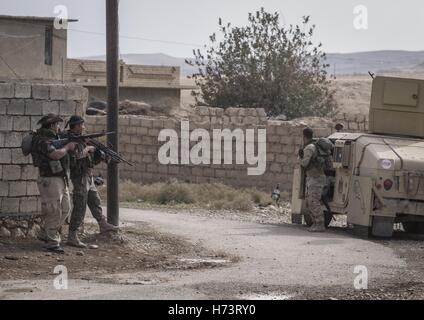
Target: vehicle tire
[413,227]
[327,219]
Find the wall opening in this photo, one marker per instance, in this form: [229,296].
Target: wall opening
[48,47]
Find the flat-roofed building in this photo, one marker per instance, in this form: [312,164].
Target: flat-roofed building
[150,84]
[31,48]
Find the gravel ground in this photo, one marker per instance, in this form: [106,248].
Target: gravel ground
[137,247]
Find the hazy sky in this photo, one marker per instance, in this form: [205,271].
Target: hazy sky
[183,24]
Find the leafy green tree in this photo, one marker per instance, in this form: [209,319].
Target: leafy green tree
[264,65]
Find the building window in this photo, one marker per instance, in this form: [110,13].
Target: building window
[48,47]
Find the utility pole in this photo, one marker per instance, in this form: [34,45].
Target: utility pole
[112,60]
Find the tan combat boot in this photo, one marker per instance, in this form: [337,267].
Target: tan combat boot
[106,227]
[74,241]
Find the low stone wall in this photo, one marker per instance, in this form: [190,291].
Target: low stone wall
[21,106]
[139,144]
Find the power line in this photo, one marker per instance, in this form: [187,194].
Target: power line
[139,38]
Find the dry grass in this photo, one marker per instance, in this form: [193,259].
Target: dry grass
[215,196]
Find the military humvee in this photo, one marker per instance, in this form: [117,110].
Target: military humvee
[379,175]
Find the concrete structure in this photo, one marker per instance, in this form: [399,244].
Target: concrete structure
[22,104]
[151,84]
[31,48]
[139,144]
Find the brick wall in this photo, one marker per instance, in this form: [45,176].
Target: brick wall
[21,107]
[139,144]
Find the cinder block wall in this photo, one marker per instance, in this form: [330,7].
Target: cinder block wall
[21,107]
[139,144]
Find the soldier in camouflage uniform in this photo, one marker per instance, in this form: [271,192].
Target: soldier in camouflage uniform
[315,181]
[84,190]
[53,167]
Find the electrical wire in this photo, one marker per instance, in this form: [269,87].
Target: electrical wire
[139,38]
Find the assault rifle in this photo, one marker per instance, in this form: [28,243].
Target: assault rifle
[68,138]
[89,140]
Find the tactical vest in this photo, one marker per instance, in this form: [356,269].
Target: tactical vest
[47,166]
[79,167]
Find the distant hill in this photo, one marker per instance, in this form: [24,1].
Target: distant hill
[343,63]
[375,61]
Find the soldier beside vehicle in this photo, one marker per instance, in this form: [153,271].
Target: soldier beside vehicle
[316,162]
[58,165]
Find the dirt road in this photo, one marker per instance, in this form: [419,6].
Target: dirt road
[275,262]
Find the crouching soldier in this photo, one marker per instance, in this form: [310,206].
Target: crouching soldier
[84,190]
[315,180]
[53,167]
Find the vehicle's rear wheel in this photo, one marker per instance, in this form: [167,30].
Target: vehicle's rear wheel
[413,227]
[327,219]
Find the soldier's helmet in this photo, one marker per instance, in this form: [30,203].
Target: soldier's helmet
[308,133]
[50,119]
[74,120]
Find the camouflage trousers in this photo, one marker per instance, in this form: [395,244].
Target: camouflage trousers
[55,207]
[314,189]
[84,193]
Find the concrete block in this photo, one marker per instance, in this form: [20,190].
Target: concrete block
[33,107]
[125,138]
[50,107]
[129,148]
[141,131]
[4,188]
[41,91]
[16,107]
[74,93]
[101,121]
[147,159]
[21,123]
[67,108]
[153,133]
[124,121]
[12,139]
[10,205]
[7,90]
[23,90]
[2,139]
[231,112]
[19,158]
[57,92]
[158,123]
[17,188]
[29,172]
[11,172]
[33,122]
[32,189]
[5,156]
[135,139]
[4,103]
[135,121]
[28,205]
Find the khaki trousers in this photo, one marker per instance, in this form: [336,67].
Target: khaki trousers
[55,207]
